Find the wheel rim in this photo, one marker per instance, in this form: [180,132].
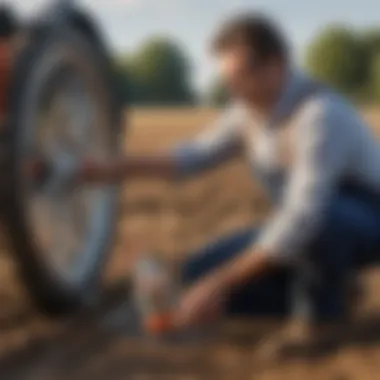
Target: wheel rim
[71,227]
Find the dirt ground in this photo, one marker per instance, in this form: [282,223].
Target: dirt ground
[171,219]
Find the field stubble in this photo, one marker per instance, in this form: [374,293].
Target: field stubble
[173,219]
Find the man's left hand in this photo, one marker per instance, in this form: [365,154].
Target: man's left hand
[203,303]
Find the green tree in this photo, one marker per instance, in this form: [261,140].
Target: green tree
[161,74]
[375,76]
[370,42]
[129,86]
[335,57]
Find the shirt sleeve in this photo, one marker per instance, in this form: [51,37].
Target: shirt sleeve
[218,143]
[322,148]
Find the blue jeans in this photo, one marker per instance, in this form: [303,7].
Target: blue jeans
[348,240]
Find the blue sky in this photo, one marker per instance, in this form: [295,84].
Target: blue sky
[191,22]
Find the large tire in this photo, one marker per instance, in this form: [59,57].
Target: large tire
[56,293]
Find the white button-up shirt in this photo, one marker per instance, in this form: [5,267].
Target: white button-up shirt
[329,144]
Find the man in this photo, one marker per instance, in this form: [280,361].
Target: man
[321,166]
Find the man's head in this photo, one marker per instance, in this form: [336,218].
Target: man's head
[253,58]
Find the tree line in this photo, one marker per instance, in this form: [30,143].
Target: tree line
[159,72]
[348,60]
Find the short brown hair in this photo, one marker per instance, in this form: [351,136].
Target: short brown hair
[254,31]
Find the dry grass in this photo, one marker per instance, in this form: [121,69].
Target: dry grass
[174,218]
[180,216]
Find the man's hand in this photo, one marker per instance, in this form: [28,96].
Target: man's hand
[250,265]
[203,303]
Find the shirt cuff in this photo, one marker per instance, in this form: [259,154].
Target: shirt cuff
[279,250]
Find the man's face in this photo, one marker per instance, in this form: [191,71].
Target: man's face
[254,82]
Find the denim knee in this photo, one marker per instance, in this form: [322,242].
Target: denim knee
[320,290]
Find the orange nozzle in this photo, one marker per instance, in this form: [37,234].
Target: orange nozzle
[158,324]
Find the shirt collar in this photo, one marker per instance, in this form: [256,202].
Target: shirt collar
[295,85]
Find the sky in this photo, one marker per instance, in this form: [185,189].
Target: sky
[127,23]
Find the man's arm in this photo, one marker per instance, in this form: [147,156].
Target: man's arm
[217,144]
[127,167]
